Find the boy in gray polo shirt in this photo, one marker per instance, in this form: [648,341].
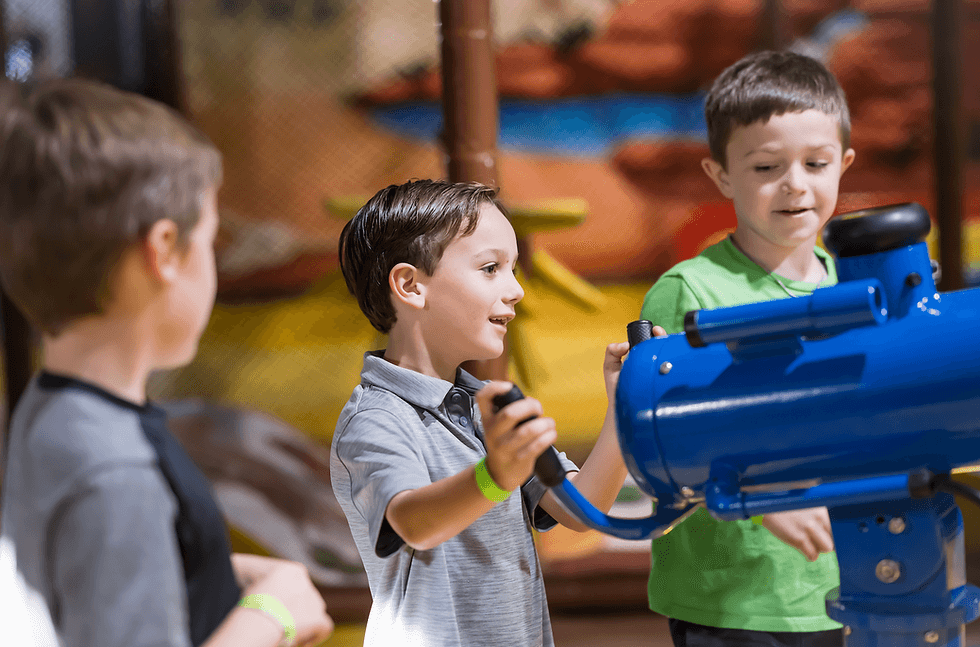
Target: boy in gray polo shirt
[422,465]
[108,218]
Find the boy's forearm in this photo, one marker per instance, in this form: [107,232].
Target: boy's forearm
[600,478]
[427,516]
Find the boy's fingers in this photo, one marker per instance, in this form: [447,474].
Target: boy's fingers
[484,399]
[659,332]
[618,350]
[824,542]
[514,414]
[521,436]
[536,445]
[485,396]
[825,521]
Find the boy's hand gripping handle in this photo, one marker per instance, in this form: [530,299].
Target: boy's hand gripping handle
[547,467]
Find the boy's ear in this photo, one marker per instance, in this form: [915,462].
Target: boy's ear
[162,251]
[846,160]
[718,175]
[406,287]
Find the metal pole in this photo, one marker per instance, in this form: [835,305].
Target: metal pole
[16,332]
[947,66]
[774,34]
[162,61]
[469,96]
[131,45]
[18,347]
[469,105]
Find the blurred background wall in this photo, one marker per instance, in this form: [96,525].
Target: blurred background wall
[317,104]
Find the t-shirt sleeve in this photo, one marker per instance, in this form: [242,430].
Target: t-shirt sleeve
[667,302]
[115,565]
[382,461]
[534,490]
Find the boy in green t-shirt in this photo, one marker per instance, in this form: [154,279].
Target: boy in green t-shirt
[778,131]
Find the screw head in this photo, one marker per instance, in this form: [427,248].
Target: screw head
[847,630]
[896,525]
[687,492]
[665,368]
[888,571]
[931,637]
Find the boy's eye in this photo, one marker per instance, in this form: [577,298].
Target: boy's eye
[764,168]
[490,269]
[820,164]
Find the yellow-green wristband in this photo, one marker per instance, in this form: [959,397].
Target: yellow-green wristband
[757,519]
[270,605]
[487,485]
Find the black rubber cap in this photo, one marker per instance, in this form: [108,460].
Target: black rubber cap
[638,331]
[876,230]
[691,329]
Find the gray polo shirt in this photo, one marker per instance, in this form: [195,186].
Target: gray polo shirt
[402,430]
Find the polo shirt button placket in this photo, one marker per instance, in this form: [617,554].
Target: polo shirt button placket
[456,407]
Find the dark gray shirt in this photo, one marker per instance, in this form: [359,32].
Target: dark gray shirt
[402,430]
[111,522]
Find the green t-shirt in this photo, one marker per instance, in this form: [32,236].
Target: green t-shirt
[733,574]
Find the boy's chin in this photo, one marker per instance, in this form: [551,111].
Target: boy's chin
[488,353]
[177,359]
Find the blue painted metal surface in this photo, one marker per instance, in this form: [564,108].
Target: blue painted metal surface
[830,400]
[872,400]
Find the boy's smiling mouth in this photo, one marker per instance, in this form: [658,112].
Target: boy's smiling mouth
[501,320]
[792,212]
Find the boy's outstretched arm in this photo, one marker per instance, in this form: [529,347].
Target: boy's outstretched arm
[427,516]
[604,471]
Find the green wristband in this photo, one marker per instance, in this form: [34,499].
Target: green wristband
[757,519]
[270,605]
[487,485]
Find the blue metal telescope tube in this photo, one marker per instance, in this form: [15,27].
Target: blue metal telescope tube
[832,401]
[855,303]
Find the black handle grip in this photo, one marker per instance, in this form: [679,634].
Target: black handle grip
[547,467]
[638,331]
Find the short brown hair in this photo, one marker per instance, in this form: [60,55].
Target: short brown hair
[405,223]
[766,84]
[85,172]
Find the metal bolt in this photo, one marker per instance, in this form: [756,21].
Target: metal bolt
[847,630]
[665,368]
[888,570]
[932,636]
[896,525]
[687,492]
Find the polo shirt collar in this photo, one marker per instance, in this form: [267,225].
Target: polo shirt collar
[413,387]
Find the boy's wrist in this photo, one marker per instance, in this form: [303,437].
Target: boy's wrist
[488,487]
[274,610]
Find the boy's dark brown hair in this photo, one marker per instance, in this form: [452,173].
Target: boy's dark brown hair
[405,223]
[766,84]
[85,172]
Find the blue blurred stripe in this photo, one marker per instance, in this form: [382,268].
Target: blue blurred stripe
[575,126]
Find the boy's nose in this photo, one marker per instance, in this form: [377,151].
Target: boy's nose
[793,180]
[514,291]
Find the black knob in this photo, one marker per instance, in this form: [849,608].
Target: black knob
[547,467]
[638,331]
[876,230]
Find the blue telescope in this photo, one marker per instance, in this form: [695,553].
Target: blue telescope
[863,397]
